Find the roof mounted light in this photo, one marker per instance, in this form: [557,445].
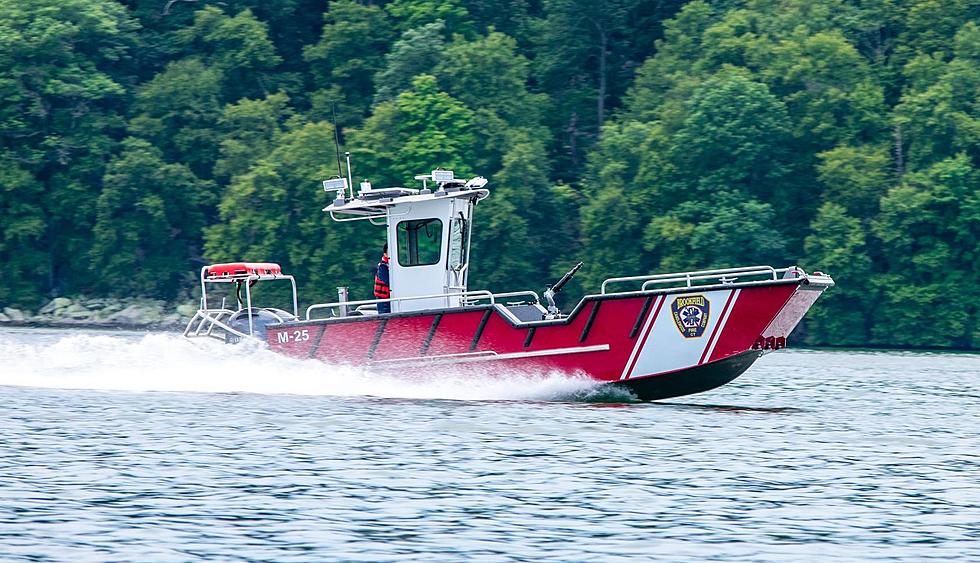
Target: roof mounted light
[338,185]
[442,176]
[335,185]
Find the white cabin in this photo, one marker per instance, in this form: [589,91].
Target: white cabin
[428,234]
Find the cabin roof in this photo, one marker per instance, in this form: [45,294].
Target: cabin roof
[375,202]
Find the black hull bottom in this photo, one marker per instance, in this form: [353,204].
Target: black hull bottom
[693,380]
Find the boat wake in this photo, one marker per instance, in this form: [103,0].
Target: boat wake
[168,362]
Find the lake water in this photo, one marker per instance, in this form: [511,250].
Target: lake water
[135,447]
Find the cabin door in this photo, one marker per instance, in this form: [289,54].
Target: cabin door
[417,244]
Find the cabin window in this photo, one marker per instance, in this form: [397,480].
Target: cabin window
[457,243]
[419,242]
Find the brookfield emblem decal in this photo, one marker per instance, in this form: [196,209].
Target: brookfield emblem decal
[691,314]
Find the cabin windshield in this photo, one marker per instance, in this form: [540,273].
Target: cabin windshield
[419,242]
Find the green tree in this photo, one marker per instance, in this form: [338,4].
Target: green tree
[729,231]
[734,137]
[512,250]
[178,110]
[489,74]
[25,260]
[411,14]
[930,25]
[238,47]
[937,116]
[838,244]
[420,130]
[348,56]
[60,104]
[621,196]
[416,52]
[271,213]
[856,177]
[148,224]
[665,81]
[491,78]
[577,62]
[249,130]
[291,25]
[929,228]
[512,17]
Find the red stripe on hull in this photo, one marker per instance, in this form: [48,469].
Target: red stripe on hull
[347,342]
[643,341]
[752,312]
[718,327]
[500,336]
[454,334]
[402,337]
[612,326]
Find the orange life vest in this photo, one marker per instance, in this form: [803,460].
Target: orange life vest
[381,289]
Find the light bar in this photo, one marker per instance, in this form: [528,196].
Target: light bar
[442,176]
[335,184]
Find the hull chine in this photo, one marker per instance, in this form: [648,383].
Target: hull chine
[692,380]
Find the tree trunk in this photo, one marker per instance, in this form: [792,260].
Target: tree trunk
[899,156]
[572,138]
[601,102]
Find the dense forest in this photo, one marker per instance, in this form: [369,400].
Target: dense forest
[140,139]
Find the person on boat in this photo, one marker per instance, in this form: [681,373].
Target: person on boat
[382,289]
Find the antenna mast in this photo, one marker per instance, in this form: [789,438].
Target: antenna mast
[336,137]
[350,178]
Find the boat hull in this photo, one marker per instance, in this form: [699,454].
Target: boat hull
[658,344]
[692,380]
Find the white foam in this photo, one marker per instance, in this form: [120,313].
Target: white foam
[169,362]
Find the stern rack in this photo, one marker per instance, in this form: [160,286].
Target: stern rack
[244,275]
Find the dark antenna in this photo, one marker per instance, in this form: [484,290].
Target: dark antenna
[336,138]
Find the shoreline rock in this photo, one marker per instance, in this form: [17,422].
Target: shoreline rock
[102,313]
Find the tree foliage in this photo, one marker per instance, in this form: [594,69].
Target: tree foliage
[148,222]
[140,139]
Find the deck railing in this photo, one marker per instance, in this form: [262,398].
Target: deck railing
[468,297]
[211,319]
[700,277]
[208,319]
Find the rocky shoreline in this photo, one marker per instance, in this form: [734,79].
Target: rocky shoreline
[131,314]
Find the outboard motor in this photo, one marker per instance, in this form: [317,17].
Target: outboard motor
[261,320]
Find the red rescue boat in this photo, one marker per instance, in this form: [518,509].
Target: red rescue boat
[660,335]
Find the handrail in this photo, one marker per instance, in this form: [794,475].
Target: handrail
[476,294]
[249,278]
[516,293]
[720,277]
[368,217]
[211,318]
[481,294]
[689,277]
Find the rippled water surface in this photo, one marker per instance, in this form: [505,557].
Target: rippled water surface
[131,447]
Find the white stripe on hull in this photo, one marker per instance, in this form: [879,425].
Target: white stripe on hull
[641,336]
[666,349]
